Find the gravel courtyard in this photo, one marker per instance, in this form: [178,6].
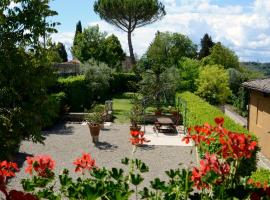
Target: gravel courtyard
[67,141]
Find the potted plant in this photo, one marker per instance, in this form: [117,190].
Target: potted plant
[135,115]
[95,119]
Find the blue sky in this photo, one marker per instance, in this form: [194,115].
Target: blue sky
[242,25]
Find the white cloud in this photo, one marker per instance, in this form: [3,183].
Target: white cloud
[245,29]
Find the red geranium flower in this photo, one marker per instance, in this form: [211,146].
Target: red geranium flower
[137,137]
[8,169]
[42,165]
[84,163]
[219,121]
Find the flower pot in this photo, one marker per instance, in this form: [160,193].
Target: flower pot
[94,130]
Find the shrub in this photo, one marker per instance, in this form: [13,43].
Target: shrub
[261,175]
[77,93]
[53,108]
[213,84]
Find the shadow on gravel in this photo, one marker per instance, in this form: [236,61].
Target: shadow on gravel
[105,146]
[145,147]
[20,157]
[59,129]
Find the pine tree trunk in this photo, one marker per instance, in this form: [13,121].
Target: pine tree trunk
[132,57]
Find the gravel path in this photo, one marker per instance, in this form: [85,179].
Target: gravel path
[66,141]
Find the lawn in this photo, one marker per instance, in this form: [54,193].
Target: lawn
[121,107]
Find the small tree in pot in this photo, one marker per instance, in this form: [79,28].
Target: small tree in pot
[95,121]
[135,114]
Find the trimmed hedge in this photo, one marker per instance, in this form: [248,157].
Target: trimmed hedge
[124,82]
[199,111]
[78,93]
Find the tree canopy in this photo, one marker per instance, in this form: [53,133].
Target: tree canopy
[128,15]
[61,49]
[213,84]
[25,71]
[222,55]
[206,46]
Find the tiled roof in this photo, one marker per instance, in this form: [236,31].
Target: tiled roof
[262,85]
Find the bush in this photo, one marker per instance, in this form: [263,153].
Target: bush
[77,93]
[53,108]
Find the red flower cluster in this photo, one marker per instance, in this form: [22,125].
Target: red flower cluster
[234,145]
[210,164]
[8,169]
[84,163]
[137,137]
[42,165]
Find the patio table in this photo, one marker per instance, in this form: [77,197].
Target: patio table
[165,124]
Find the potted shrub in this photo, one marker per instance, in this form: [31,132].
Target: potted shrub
[95,119]
[135,114]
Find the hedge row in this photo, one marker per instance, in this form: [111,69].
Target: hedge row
[200,111]
[78,93]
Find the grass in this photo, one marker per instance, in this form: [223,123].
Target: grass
[121,107]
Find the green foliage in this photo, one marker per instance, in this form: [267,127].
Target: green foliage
[189,72]
[261,175]
[124,15]
[113,54]
[62,52]
[93,44]
[206,46]
[221,55]
[53,108]
[168,48]
[78,95]
[124,82]
[199,112]
[213,84]
[89,44]
[263,68]
[96,115]
[97,77]
[25,71]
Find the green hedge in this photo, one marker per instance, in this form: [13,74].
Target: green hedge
[78,95]
[199,111]
[124,82]
[261,176]
[53,108]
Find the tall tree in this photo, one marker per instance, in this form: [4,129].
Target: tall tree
[221,55]
[61,49]
[113,53]
[25,71]
[78,31]
[206,45]
[128,15]
[90,44]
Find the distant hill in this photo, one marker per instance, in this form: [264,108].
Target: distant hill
[260,67]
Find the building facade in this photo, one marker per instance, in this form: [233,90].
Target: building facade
[259,112]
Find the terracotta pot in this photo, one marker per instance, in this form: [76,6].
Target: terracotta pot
[94,130]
